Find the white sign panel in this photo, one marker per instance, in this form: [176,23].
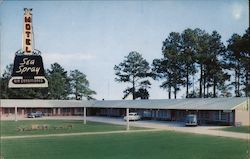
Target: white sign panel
[27,32]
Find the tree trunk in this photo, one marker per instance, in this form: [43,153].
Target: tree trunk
[175,92]
[133,89]
[169,92]
[214,87]
[201,79]
[235,85]
[247,83]
[193,84]
[238,89]
[204,85]
[187,80]
[237,80]
[76,93]
[207,90]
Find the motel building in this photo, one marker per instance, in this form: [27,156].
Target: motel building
[209,111]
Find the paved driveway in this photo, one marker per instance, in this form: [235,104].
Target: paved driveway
[175,126]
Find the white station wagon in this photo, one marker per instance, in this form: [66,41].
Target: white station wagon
[132,116]
[191,120]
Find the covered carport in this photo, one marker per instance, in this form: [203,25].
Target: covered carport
[213,111]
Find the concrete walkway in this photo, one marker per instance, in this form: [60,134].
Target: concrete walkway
[78,134]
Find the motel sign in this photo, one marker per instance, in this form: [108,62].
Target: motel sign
[28,71]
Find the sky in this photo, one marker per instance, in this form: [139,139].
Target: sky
[94,36]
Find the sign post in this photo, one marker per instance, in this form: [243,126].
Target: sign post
[15,113]
[84,115]
[127,114]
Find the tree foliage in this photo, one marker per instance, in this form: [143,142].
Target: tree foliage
[187,54]
[238,58]
[134,70]
[188,46]
[170,67]
[80,85]
[212,72]
[59,82]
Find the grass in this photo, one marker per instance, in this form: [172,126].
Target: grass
[241,129]
[10,128]
[140,145]
[143,145]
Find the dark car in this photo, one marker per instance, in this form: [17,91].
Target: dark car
[35,114]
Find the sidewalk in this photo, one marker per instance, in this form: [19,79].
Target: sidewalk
[78,134]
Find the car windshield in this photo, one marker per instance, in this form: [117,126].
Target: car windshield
[190,118]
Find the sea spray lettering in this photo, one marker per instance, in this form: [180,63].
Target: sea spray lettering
[27,65]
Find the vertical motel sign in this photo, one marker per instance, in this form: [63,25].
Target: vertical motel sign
[28,70]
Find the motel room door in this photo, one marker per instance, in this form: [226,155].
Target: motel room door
[173,115]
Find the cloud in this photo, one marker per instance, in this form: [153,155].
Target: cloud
[237,10]
[67,57]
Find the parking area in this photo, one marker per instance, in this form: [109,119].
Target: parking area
[174,126]
[149,123]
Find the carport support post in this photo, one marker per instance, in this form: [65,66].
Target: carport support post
[84,115]
[15,113]
[127,114]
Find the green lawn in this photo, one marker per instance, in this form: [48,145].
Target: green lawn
[143,145]
[10,128]
[242,129]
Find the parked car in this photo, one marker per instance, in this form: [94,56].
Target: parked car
[35,115]
[132,116]
[191,120]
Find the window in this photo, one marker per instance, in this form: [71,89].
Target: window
[217,115]
[224,116]
[66,110]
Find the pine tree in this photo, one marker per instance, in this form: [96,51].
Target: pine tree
[134,70]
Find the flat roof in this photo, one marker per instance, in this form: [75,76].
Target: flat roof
[190,104]
[44,103]
[180,104]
